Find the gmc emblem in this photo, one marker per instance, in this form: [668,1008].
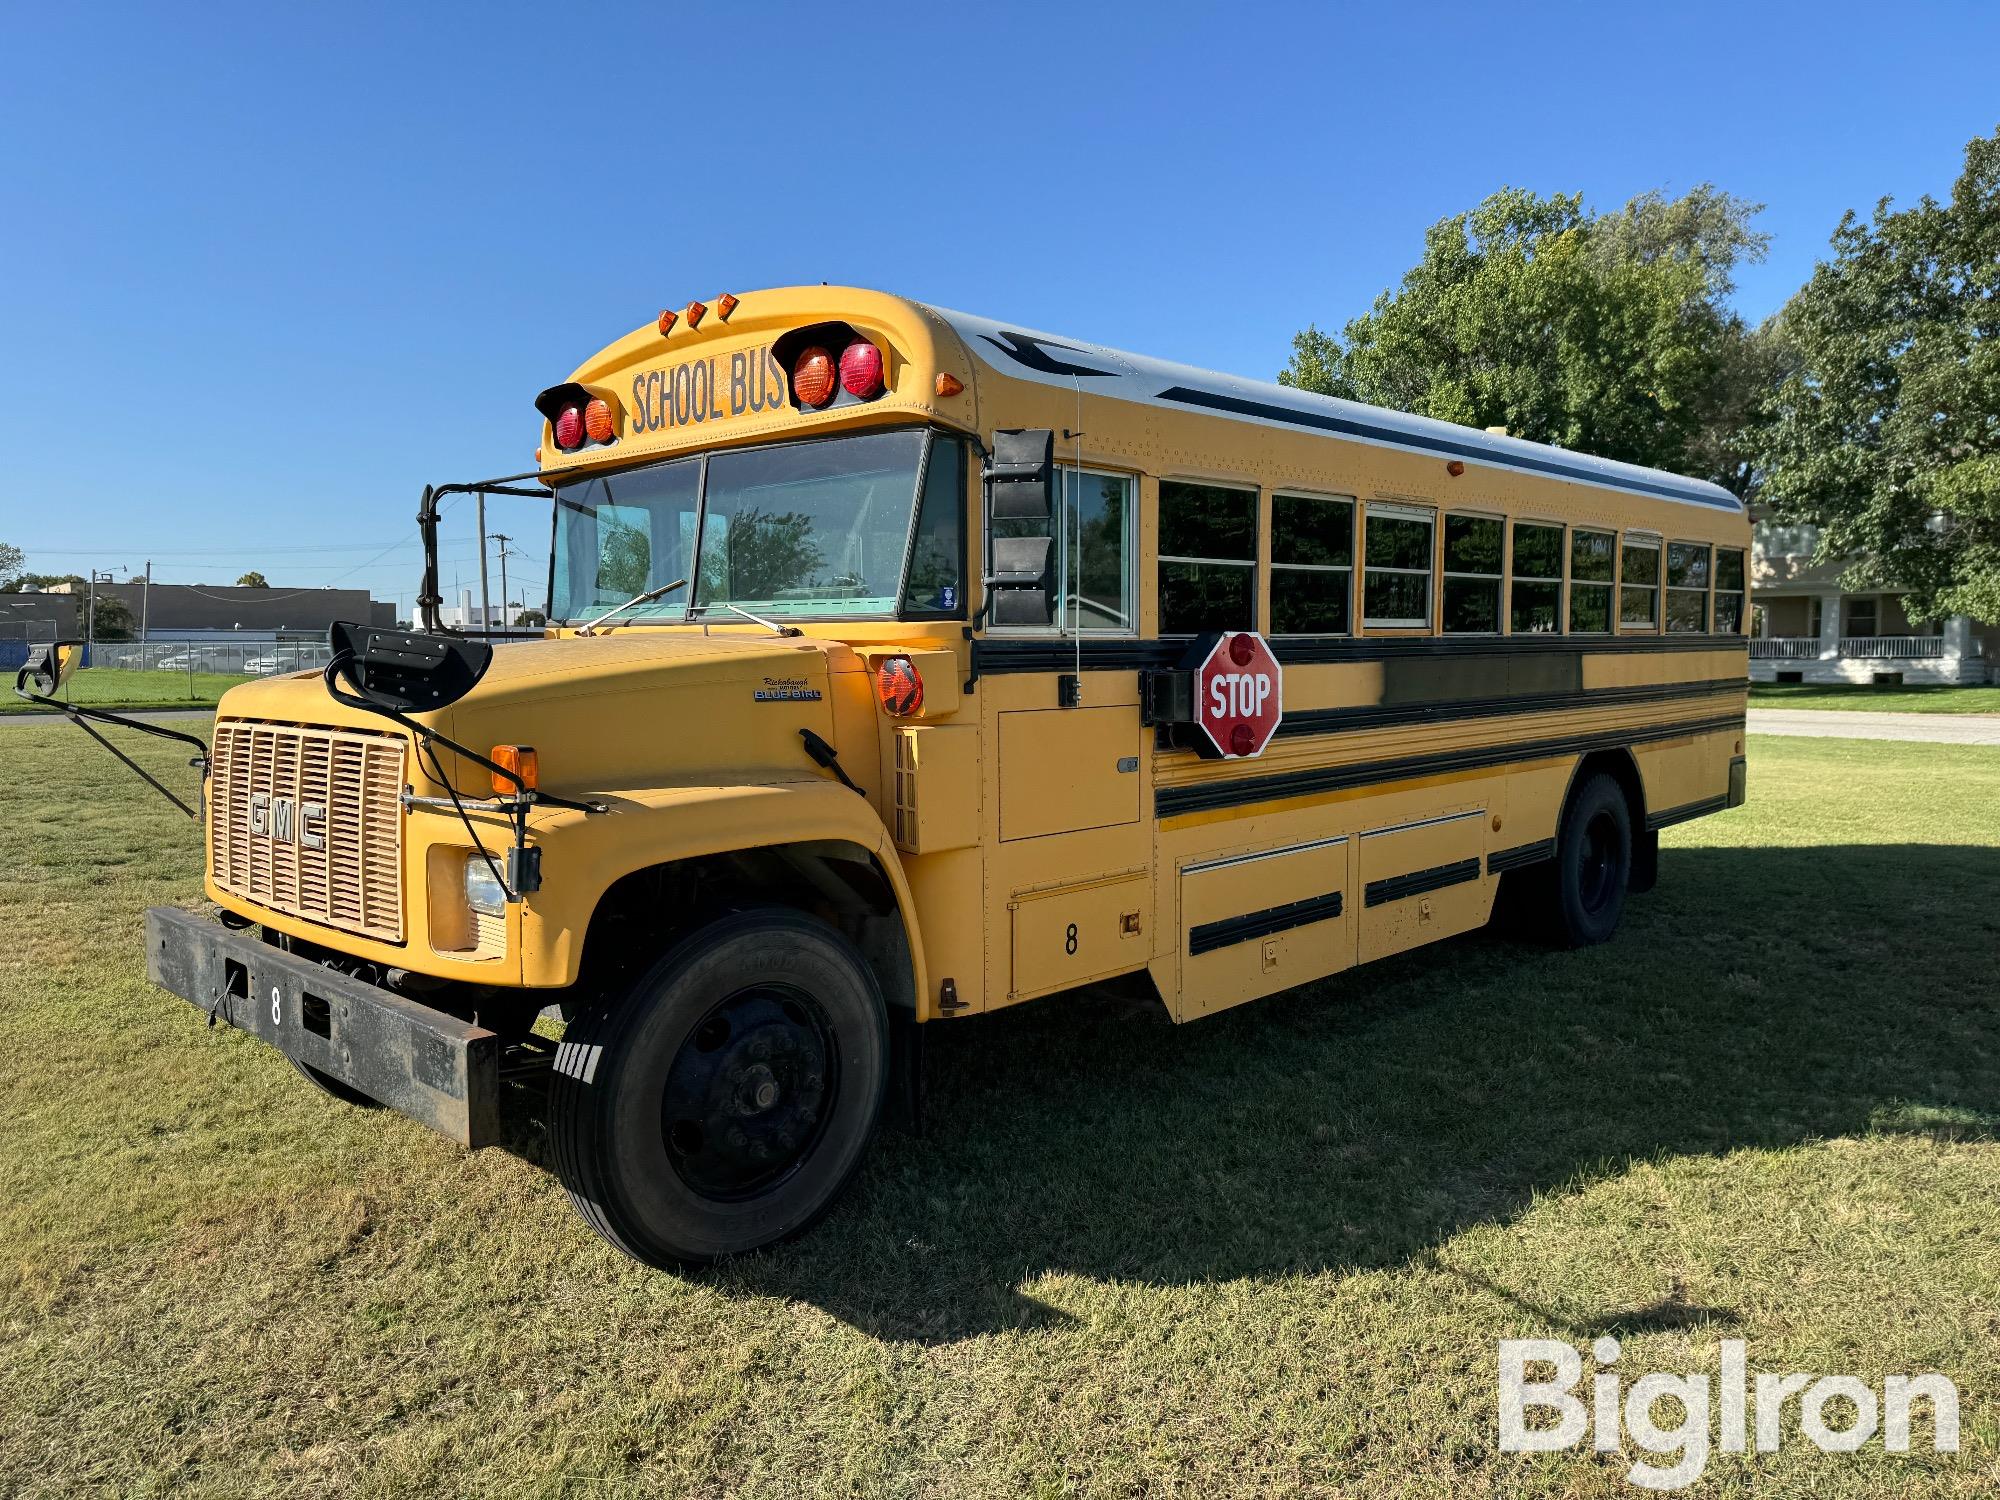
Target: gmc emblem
[285,821]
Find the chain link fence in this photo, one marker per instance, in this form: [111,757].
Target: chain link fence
[238,658]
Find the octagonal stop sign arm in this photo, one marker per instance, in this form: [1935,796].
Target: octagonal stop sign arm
[1224,699]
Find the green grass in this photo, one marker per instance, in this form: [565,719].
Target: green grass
[122,687]
[1898,700]
[1271,1252]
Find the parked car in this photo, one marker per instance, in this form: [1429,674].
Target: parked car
[265,666]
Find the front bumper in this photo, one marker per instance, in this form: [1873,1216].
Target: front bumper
[433,1067]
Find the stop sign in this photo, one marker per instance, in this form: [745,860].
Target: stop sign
[1238,695]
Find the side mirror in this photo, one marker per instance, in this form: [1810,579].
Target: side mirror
[47,668]
[1020,588]
[404,671]
[1020,482]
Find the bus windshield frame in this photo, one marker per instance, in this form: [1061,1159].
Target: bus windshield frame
[821,529]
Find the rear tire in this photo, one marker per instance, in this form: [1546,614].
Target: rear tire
[1593,863]
[723,1102]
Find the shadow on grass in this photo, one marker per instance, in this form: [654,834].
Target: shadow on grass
[1760,997]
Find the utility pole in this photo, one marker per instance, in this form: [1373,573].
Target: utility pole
[145,612]
[506,608]
[485,607]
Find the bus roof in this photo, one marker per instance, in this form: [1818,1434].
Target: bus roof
[1073,364]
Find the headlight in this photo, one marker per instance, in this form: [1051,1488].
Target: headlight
[483,892]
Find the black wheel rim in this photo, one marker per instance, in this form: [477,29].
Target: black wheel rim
[1597,873]
[749,1093]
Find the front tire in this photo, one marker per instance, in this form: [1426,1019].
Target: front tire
[1593,863]
[723,1102]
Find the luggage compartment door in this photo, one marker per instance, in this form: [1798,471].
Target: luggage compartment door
[1423,881]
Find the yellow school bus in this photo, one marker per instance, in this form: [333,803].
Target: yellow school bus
[903,665]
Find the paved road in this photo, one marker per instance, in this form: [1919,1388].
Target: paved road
[1846,724]
[167,714]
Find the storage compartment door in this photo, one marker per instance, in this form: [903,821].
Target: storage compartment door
[1423,881]
[1255,923]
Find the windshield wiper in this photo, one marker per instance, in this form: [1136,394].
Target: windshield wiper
[645,598]
[771,625]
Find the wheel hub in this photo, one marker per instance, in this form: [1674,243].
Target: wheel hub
[748,1092]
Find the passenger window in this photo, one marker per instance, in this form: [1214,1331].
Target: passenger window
[1095,546]
[1471,575]
[1312,565]
[1590,576]
[1208,558]
[1639,580]
[933,587]
[1687,586]
[1396,567]
[1536,603]
[1729,591]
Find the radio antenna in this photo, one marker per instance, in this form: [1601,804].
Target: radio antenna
[1077,604]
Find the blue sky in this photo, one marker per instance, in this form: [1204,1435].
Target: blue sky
[269,269]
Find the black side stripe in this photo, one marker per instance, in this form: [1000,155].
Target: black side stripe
[1668,816]
[1417,882]
[1384,715]
[1232,930]
[1483,453]
[998,655]
[1207,796]
[1501,860]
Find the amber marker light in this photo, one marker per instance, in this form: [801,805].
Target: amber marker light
[813,376]
[724,306]
[1454,468]
[598,420]
[696,311]
[668,317]
[522,761]
[900,686]
[948,385]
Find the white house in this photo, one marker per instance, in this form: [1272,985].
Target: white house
[1805,628]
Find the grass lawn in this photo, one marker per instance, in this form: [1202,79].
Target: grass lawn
[122,687]
[1895,700]
[1271,1252]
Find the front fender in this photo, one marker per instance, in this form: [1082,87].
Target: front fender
[584,855]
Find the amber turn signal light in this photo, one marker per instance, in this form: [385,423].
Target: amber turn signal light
[948,385]
[900,686]
[598,421]
[522,762]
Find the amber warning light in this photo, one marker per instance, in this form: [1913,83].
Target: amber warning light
[521,761]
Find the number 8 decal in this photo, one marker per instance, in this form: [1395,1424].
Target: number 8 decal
[277,1008]
[1069,939]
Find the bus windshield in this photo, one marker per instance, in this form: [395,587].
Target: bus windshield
[813,529]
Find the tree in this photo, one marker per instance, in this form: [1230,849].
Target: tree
[34,583]
[1887,434]
[252,580]
[11,558]
[1607,333]
[111,620]
[531,617]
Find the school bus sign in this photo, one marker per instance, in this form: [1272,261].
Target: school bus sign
[1239,695]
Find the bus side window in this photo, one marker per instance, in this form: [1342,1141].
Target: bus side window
[1537,579]
[1095,516]
[1208,558]
[1591,566]
[1729,591]
[1639,580]
[1396,567]
[1312,565]
[1472,575]
[1687,586]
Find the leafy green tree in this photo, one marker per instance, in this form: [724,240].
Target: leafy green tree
[1887,433]
[1607,333]
[34,583]
[252,580]
[11,558]
[112,619]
